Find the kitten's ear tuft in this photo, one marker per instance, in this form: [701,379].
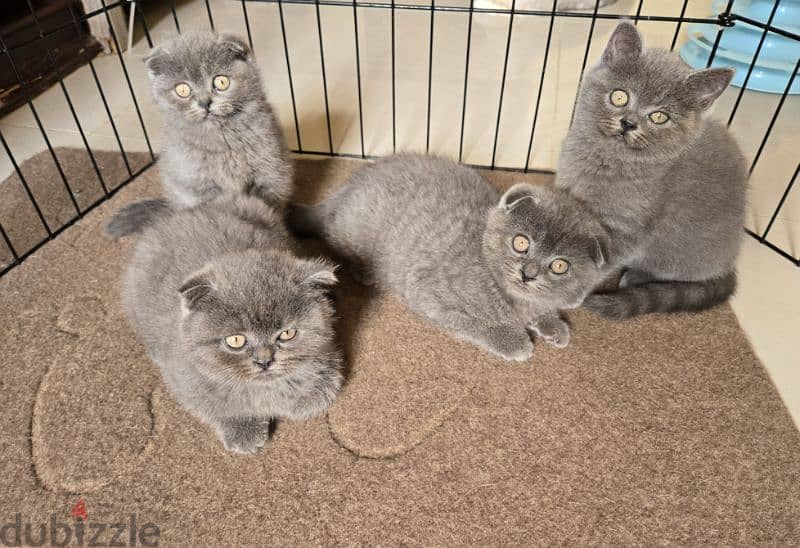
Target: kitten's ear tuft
[704,86]
[600,251]
[197,288]
[624,46]
[156,62]
[239,47]
[516,194]
[318,273]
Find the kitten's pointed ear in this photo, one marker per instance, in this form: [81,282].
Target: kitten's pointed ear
[197,287]
[516,194]
[624,46]
[318,273]
[704,86]
[156,62]
[237,45]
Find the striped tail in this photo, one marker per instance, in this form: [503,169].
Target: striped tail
[662,297]
[305,221]
[133,218]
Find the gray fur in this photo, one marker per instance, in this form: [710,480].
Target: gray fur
[135,217]
[236,144]
[222,268]
[673,195]
[439,236]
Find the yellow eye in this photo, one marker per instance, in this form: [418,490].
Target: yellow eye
[183,90]
[619,98]
[520,243]
[235,341]
[559,266]
[287,335]
[221,83]
[658,117]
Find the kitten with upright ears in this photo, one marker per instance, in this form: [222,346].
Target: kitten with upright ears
[240,327]
[220,133]
[485,267]
[667,181]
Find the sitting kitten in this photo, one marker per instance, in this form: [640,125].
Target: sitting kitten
[668,182]
[220,132]
[485,267]
[240,327]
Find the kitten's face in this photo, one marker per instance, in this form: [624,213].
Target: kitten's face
[646,102]
[543,247]
[259,317]
[203,78]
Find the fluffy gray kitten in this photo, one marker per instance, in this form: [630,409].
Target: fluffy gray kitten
[485,267]
[220,133]
[241,329]
[668,182]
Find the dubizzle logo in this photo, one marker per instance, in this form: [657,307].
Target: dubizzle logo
[81,532]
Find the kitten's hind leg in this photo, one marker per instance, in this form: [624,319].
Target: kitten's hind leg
[552,329]
[634,276]
[244,434]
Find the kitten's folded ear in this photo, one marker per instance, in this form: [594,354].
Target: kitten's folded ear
[317,273]
[704,86]
[516,194]
[624,46]
[237,45]
[197,287]
[156,61]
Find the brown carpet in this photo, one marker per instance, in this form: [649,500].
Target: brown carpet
[657,430]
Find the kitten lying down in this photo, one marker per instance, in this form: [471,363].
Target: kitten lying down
[487,268]
[240,328]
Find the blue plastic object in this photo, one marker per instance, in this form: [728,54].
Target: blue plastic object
[738,45]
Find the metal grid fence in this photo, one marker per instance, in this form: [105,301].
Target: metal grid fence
[727,19]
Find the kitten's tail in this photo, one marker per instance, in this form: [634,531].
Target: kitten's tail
[305,220]
[133,218]
[662,297]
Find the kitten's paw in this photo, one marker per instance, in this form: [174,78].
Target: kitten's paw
[510,343]
[244,436]
[555,332]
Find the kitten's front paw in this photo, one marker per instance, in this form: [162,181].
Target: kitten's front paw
[555,332]
[245,436]
[509,342]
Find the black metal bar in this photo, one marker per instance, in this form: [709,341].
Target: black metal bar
[678,26]
[753,62]
[394,91]
[175,16]
[430,80]
[773,247]
[775,115]
[466,80]
[210,17]
[503,83]
[767,26]
[103,97]
[585,59]
[638,13]
[780,204]
[128,81]
[358,78]
[62,228]
[145,27]
[25,185]
[289,70]
[541,85]
[57,70]
[725,15]
[324,80]
[9,245]
[247,24]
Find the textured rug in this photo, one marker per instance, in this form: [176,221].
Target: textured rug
[663,429]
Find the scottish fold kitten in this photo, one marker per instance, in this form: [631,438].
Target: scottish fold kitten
[486,267]
[240,327]
[220,133]
[668,182]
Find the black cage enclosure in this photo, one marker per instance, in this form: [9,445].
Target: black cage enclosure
[491,83]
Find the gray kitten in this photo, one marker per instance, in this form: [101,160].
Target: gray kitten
[240,327]
[485,267]
[668,183]
[220,133]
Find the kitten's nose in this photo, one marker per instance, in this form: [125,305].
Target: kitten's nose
[627,125]
[264,358]
[529,272]
[263,363]
[205,103]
